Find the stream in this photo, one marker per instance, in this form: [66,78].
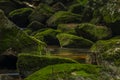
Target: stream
[80,55]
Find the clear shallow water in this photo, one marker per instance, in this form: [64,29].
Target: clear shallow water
[10,76]
[81,55]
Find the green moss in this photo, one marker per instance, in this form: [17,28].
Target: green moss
[104,45]
[67,28]
[27,43]
[72,41]
[28,31]
[35,25]
[48,36]
[31,63]
[93,32]
[108,51]
[20,16]
[66,71]
[12,37]
[110,12]
[41,13]
[77,8]
[63,17]
[112,56]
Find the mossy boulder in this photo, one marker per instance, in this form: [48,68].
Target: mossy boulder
[107,52]
[48,36]
[93,32]
[68,28]
[62,17]
[41,13]
[112,56]
[12,37]
[77,8]
[20,16]
[110,13]
[58,7]
[7,6]
[35,25]
[104,45]
[72,41]
[67,71]
[28,63]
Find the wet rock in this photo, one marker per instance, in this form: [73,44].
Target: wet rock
[48,36]
[67,71]
[28,63]
[110,13]
[12,37]
[104,45]
[62,17]
[41,13]
[76,8]
[93,32]
[68,28]
[72,41]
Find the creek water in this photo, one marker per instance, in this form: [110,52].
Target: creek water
[77,54]
[6,74]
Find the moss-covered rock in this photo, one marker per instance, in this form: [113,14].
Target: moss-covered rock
[108,52]
[72,41]
[7,6]
[77,8]
[110,13]
[35,25]
[28,63]
[104,45]
[48,36]
[67,28]
[63,17]
[58,7]
[93,32]
[20,16]
[12,37]
[112,56]
[41,13]
[66,71]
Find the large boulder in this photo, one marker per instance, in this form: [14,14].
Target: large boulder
[12,37]
[20,16]
[112,56]
[63,17]
[110,13]
[41,13]
[28,63]
[104,45]
[68,28]
[77,8]
[48,36]
[93,32]
[67,71]
[72,41]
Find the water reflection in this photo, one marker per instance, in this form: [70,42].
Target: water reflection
[81,55]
